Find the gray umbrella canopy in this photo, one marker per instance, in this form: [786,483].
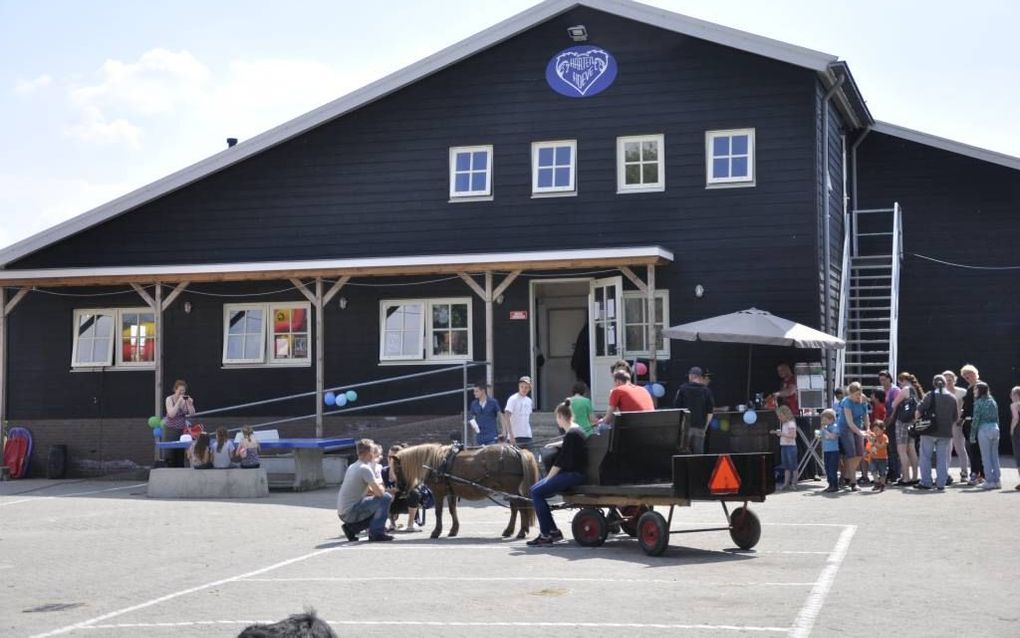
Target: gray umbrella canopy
[754,326]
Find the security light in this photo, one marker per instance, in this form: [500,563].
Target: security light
[578,33]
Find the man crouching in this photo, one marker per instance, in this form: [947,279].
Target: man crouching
[362,502]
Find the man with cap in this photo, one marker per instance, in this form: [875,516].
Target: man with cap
[695,396]
[517,414]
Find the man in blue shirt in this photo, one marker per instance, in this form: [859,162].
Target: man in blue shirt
[485,414]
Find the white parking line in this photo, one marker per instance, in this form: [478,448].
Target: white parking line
[509,579]
[808,614]
[436,623]
[46,498]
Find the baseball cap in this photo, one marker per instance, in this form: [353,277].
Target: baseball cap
[696,371]
[524,380]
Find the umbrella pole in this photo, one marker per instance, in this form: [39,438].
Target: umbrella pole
[749,348]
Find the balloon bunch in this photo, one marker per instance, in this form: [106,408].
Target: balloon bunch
[657,390]
[340,399]
[156,425]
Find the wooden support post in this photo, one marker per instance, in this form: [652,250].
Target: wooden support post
[653,338]
[320,349]
[489,338]
[5,309]
[157,314]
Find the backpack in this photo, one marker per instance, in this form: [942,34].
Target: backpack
[907,410]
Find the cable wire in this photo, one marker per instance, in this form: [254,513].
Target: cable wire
[967,266]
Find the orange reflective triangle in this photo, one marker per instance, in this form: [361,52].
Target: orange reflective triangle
[725,479]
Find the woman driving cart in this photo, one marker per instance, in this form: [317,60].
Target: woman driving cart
[566,472]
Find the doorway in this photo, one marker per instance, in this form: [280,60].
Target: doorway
[560,311]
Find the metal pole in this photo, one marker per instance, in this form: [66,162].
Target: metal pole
[464,394]
[320,349]
[489,338]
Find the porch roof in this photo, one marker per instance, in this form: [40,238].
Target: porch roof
[360,267]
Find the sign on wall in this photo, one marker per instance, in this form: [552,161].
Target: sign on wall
[518,315]
[581,71]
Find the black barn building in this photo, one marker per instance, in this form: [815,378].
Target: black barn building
[546,185]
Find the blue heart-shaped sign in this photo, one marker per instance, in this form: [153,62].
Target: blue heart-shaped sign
[581,71]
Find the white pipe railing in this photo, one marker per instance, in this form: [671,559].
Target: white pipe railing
[894,302]
[844,302]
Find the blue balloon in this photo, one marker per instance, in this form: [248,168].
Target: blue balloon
[750,417]
[650,389]
[157,433]
[352,396]
[658,390]
[341,400]
[330,398]
[715,423]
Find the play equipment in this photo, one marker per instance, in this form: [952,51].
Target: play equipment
[18,452]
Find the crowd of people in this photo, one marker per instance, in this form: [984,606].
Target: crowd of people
[900,434]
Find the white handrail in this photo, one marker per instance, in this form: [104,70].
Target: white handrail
[844,311]
[894,306]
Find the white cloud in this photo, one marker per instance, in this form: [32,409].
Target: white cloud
[27,87]
[93,127]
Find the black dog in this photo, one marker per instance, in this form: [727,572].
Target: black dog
[306,625]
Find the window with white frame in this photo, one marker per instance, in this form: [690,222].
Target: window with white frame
[470,172]
[635,322]
[553,167]
[98,345]
[729,157]
[640,164]
[425,329]
[266,333]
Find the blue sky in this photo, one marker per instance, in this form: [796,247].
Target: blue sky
[98,98]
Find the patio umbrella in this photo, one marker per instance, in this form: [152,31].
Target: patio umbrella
[753,326]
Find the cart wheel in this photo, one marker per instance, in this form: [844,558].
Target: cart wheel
[589,527]
[745,528]
[632,514]
[652,533]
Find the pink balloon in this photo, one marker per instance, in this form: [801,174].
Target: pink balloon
[641,368]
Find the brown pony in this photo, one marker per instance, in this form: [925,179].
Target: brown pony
[500,467]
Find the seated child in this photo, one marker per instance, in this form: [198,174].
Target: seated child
[829,434]
[878,452]
[199,455]
[248,448]
[223,454]
[405,500]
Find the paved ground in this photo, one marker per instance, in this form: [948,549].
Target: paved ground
[100,559]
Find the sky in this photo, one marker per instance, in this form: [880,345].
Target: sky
[99,98]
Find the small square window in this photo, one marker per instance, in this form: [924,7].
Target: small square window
[640,164]
[470,172]
[729,158]
[98,344]
[425,330]
[553,167]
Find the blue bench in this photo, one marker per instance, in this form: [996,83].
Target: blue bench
[308,455]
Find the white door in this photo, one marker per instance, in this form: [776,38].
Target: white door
[605,305]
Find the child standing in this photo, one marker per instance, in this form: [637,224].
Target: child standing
[878,451]
[787,434]
[830,449]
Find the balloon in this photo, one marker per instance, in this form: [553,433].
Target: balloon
[750,417]
[724,425]
[640,368]
[650,389]
[330,398]
[157,432]
[155,422]
[352,396]
[658,390]
[715,424]
[341,400]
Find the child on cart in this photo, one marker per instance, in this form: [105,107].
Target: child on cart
[567,470]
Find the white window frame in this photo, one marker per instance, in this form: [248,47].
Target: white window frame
[554,191]
[425,327]
[621,165]
[474,196]
[115,356]
[662,353]
[730,182]
[267,355]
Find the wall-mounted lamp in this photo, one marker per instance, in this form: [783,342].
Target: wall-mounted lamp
[578,33]
[187,307]
[699,291]
[343,303]
[499,300]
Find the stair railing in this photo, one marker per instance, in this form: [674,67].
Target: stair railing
[894,302]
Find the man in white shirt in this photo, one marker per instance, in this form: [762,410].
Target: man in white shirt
[362,502]
[517,414]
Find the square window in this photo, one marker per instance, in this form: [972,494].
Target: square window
[405,324]
[470,172]
[553,167]
[729,158]
[290,334]
[640,164]
[635,322]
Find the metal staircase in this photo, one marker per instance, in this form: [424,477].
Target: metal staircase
[869,299]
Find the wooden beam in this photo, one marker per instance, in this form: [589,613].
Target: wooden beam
[490,346]
[304,290]
[337,285]
[18,296]
[506,284]
[652,340]
[3,363]
[146,297]
[470,281]
[174,294]
[157,307]
[320,356]
[634,278]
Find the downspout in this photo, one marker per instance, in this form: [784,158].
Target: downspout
[853,160]
[830,361]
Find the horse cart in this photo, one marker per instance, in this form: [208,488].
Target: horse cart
[643,462]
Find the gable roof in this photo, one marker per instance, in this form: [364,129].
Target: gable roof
[1009,161]
[767,47]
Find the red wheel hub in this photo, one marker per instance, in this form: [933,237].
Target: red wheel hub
[589,528]
[650,532]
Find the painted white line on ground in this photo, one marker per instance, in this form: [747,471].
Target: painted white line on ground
[508,579]
[31,499]
[808,614]
[436,623]
[162,599]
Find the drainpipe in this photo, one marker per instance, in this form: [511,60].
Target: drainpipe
[827,252]
[853,160]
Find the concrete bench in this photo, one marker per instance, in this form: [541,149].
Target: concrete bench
[175,482]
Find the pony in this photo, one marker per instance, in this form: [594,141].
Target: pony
[499,467]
